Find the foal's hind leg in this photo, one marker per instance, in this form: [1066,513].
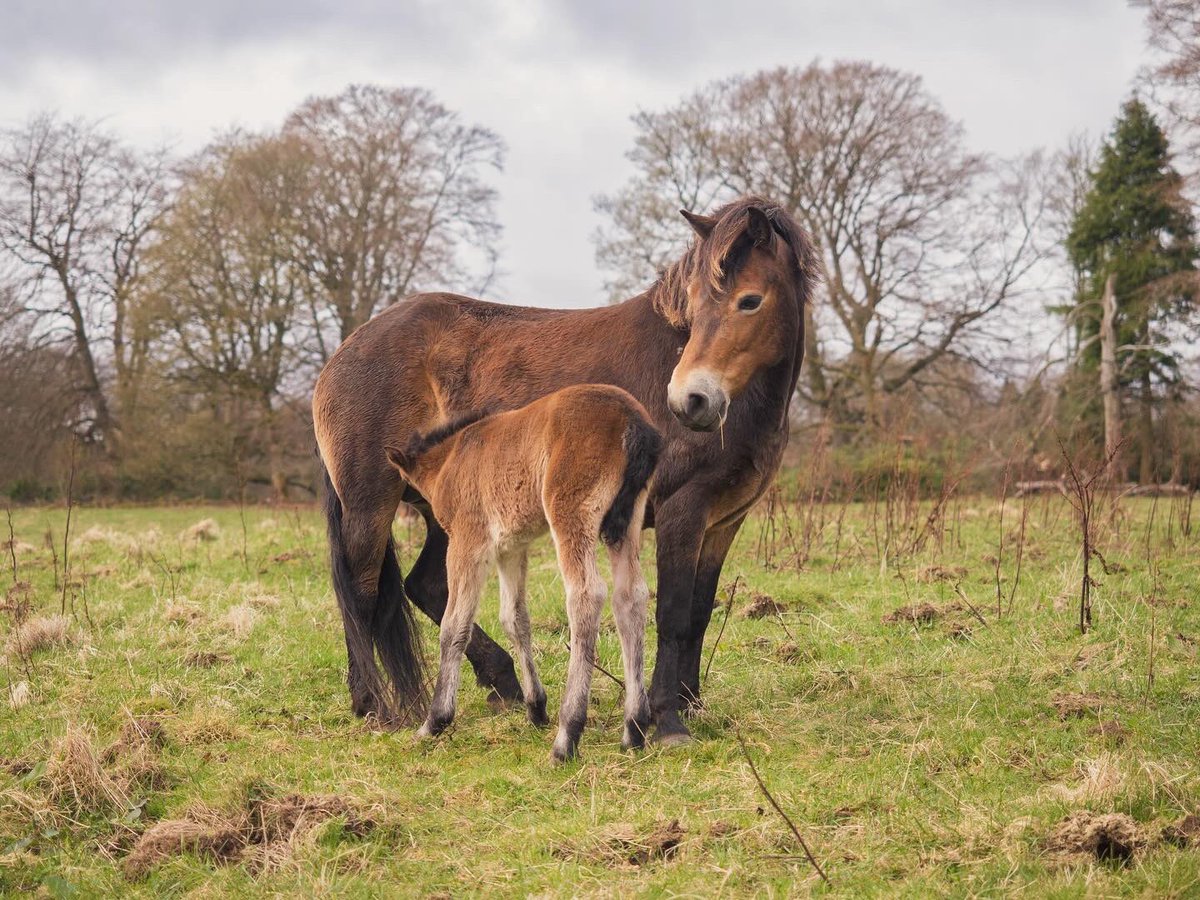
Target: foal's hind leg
[514,616]
[467,568]
[585,600]
[630,597]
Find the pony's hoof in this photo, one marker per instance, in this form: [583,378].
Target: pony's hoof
[677,736]
[537,714]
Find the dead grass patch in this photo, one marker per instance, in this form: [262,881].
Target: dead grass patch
[206,659]
[239,620]
[1100,780]
[19,695]
[263,834]
[182,612]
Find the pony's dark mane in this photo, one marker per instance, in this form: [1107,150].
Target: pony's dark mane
[714,258]
[424,442]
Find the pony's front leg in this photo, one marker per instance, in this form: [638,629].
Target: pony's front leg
[708,575]
[585,600]
[467,568]
[679,523]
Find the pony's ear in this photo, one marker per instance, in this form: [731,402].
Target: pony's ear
[702,225]
[758,227]
[397,457]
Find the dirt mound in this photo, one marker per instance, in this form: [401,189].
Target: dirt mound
[761,606]
[930,574]
[205,659]
[260,834]
[1077,706]
[1112,730]
[918,614]
[1108,837]
[1184,833]
[624,844]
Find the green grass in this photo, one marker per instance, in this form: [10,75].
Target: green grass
[917,759]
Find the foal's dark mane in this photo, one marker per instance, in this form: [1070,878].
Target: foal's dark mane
[423,443]
[717,258]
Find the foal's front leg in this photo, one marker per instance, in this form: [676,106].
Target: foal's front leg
[467,568]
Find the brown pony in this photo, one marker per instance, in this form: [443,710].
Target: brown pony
[577,462]
[714,345]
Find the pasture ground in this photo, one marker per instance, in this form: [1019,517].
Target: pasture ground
[177,722]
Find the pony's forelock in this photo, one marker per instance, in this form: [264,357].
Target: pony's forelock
[707,258]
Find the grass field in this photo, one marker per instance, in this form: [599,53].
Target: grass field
[177,723]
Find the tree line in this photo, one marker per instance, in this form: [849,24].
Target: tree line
[164,319]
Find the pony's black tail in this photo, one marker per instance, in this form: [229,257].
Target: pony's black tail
[382,623]
[643,444]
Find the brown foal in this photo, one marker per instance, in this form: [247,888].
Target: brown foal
[578,462]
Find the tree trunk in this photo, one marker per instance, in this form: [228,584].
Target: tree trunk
[1108,374]
[1146,426]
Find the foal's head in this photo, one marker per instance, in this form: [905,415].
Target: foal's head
[740,290]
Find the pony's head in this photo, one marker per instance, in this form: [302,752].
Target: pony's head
[740,292]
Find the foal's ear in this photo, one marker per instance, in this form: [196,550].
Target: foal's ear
[397,457]
[702,225]
[758,227]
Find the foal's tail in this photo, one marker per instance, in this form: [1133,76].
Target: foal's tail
[381,622]
[643,444]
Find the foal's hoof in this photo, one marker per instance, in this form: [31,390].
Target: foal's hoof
[671,732]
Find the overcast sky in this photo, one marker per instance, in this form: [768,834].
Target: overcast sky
[557,80]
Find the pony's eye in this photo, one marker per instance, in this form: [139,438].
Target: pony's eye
[749,303]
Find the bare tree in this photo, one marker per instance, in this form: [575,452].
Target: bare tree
[397,198]
[923,240]
[229,288]
[1174,76]
[76,208]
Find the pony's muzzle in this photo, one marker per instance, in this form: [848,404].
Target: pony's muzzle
[698,400]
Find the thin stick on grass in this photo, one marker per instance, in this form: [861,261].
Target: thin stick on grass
[733,587]
[67,529]
[779,809]
[971,606]
[620,682]
[12,543]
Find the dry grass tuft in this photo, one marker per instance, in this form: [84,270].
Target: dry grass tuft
[76,779]
[214,842]
[19,547]
[1084,835]
[40,633]
[264,601]
[205,659]
[239,620]
[204,531]
[19,695]
[1101,779]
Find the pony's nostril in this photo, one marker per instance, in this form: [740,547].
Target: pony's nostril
[697,405]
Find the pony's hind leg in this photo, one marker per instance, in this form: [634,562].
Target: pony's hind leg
[514,617]
[630,598]
[585,600]
[467,568]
